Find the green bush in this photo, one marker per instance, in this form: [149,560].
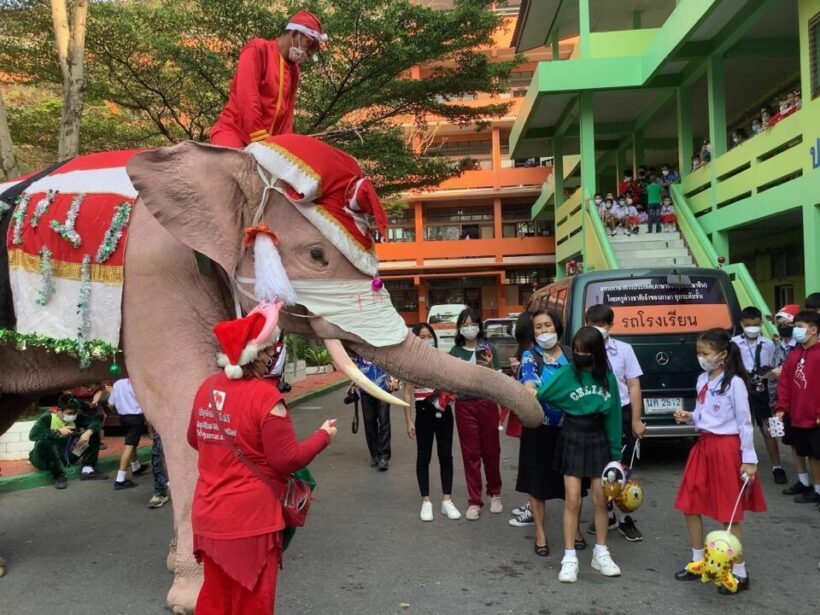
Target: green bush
[316,356]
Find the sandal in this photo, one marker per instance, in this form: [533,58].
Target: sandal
[580,544]
[542,551]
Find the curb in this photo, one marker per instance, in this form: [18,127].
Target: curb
[31,480]
[44,479]
[317,392]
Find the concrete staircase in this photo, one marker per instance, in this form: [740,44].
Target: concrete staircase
[650,249]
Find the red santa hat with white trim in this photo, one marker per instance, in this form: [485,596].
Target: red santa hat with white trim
[328,187]
[243,338]
[788,312]
[308,24]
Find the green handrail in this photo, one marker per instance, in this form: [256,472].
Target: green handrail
[601,237]
[748,293]
[702,249]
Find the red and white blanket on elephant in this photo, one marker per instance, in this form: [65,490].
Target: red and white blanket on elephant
[66,245]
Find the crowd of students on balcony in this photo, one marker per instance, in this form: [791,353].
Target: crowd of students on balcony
[644,199]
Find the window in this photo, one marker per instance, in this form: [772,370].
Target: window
[784,295]
[451,223]
[517,223]
[814,55]
[461,148]
[403,295]
[787,263]
[401,234]
[521,78]
[528,280]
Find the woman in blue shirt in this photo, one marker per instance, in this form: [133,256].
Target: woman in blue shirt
[540,356]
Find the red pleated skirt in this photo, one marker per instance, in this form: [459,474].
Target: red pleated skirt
[711,481]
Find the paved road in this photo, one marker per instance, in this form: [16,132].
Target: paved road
[89,549]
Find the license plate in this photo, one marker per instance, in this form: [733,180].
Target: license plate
[662,405]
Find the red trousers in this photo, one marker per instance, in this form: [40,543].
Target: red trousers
[221,595]
[227,138]
[477,422]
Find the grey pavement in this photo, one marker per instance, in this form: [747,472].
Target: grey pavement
[365,551]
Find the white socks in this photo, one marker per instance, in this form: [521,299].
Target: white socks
[619,515]
[697,555]
[600,549]
[120,476]
[570,554]
[804,479]
[739,570]
[135,465]
[88,470]
[817,489]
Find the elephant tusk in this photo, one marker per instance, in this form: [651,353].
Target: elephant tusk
[343,363]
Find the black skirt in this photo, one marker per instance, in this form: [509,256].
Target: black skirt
[583,449]
[536,476]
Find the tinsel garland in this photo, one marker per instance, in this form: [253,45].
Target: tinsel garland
[84,312]
[97,349]
[44,294]
[42,207]
[4,209]
[112,236]
[67,231]
[19,216]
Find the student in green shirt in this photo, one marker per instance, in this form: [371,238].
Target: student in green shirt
[477,419]
[654,193]
[587,392]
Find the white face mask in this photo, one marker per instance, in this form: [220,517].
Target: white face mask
[69,418]
[801,334]
[604,332]
[751,332]
[470,332]
[665,172]
[707,365]
[431,343]
[546,340]
[597,201]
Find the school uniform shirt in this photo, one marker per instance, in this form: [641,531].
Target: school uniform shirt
[468,354]
[726,413]
[798,388]
[643,217]
[624,364]
[781,352]
[667,210]
[579,394]
[748,351]
[619,211]
[528,372]
[124,399]
[632,211]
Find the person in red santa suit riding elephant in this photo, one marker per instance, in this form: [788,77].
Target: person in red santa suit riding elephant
[262,95]
[237,517]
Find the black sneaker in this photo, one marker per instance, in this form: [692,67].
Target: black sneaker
[95,475]
[61,482]
[525,519]
[126,484]
[613,523]
[684,575]
[808,497]
[629,531]
[780,476]
[141,470]
[742,586]
[796,489]
[382,465]
[374,462]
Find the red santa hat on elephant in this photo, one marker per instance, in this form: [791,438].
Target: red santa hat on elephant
[243,338]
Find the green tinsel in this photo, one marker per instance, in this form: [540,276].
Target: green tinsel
[4,209]
[97,349]
[112,236]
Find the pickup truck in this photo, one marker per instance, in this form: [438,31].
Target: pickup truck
[443,318]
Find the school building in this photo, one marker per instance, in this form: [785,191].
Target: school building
[471,239]
[657,82]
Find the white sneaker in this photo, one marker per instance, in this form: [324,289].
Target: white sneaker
[473,512]
[569,571]
[495,504]
[602,562]
[449,509]
[426,513]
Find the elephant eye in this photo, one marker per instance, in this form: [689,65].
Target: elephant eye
[317,254]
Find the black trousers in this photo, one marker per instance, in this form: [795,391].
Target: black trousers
[429,427]
[654,211]
[376,416]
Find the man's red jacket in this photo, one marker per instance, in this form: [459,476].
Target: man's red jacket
[262,97]
[798,388]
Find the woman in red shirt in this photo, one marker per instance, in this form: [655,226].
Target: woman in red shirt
[237,519]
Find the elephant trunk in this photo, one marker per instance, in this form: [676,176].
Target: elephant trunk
[416,362]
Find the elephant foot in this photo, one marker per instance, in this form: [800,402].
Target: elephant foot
[185,588]
[171,558]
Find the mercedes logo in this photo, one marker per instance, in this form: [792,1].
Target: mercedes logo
[662,358]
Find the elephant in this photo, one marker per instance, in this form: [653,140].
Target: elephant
[197,198]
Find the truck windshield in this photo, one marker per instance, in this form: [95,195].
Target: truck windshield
[647,306]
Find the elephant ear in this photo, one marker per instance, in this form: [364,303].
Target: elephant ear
[196,192]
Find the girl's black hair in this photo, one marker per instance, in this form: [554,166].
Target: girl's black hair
[589,339]
[424,325]
[720,341]
[475,317]
[525,329]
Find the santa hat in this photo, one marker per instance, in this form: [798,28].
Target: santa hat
[328,187]
[243,338]
[308,24]
[788,312]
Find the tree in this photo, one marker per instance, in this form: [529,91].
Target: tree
[70,42]
[171,62]
[8,161]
